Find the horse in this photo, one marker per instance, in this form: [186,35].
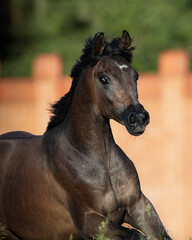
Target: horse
[67,182]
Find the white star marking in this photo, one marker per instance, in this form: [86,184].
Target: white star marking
[122,66]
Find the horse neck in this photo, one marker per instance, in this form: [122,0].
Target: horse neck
[85,126]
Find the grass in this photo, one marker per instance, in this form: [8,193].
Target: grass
[102,231]
[3,233]
[101,235]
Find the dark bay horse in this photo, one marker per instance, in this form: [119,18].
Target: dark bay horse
[73,177]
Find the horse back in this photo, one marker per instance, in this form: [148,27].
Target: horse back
[13,144]
[16,134]
[15,147]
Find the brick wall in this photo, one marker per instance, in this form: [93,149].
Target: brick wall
[162,155]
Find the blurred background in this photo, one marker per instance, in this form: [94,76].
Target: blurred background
[40,41]
[32,26]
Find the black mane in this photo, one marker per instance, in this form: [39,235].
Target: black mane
[60,109]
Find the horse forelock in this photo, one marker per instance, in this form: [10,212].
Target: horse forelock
[88,58]
[60,109]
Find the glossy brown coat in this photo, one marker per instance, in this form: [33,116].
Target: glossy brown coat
[73,177]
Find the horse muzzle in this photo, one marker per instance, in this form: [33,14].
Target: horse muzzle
[136,118]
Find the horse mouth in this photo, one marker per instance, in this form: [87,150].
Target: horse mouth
[135,133]
[136,130]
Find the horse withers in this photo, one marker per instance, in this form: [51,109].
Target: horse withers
[74,176]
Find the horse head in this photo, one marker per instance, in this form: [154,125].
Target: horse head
[116,84]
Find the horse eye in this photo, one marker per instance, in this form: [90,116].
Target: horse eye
[103,79]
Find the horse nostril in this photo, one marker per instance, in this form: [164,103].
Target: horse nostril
[146,117]
[138,118]
[133,119]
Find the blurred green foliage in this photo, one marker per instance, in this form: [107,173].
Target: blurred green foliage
[62,26]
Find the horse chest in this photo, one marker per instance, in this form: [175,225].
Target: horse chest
[88,180]
[103,197]
[100,190]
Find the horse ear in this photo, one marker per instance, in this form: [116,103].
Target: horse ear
[99,44]
[125,42]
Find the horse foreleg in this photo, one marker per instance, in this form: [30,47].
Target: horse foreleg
[5,234]
[145,218]
[97,224]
